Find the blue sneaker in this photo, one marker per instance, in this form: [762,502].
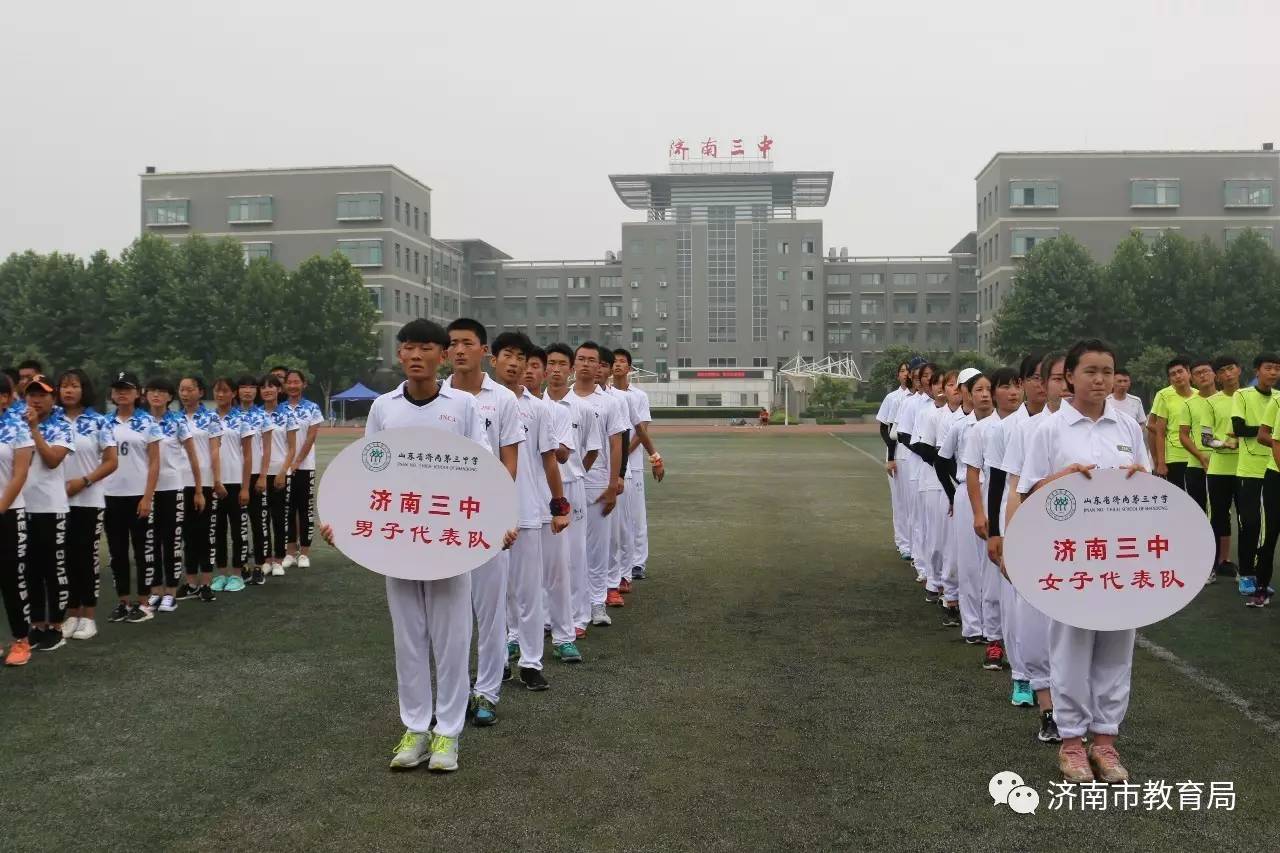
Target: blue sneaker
[906,556]
[219,583]
[1248,584]
[234,584]
[513,650]
[568,653]
[1022,695]
[482,711]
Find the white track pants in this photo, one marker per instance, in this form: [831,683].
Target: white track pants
[579,592]
[919,524]
[431,619]
[636,521]
[556,599]
[962,571]
[1009,624]
[1033,644]
[617,535]
[524,591]
[901,512]
[489,601]
[1090,678]
[993,584]
[599,536]
[935,503]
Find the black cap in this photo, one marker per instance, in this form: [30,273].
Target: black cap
[40,382]
[126,379]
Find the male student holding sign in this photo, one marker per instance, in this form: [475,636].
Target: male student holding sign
[429,619]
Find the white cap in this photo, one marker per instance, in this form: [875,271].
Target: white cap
[967,374]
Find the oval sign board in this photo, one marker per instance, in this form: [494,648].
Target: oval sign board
[1109,553]
[419,504]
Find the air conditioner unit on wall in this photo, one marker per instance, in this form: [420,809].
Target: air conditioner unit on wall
[635,316]
[635,284]
[662,284]
[662,345]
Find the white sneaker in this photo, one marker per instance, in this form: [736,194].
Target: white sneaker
[167,604]
[86,630]
[277,570]
[599,616]
[444,753]
[290,561]
[410,750]
[304,562]
[153,601]
[70,625]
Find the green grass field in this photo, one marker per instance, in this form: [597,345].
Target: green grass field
[778,684]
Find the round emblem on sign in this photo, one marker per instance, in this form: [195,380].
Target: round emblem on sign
[1060,504]
[375,456]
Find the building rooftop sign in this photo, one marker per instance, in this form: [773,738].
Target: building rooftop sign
[710,148]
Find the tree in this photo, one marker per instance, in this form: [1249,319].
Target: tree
[1148,371]
[883,376]
[830,394]
[1053,302]
[968,358]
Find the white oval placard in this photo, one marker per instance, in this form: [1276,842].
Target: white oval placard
[1109,552]
[420,503]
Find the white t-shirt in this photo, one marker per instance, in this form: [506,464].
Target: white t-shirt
[497,407]
[283,424]
[561,432]
[133,438]
[928,425]
[638,412]
[889,405]
[1069,437]
[586,435]
[306,414]
[611,423]
[203,426]
[1017,439]
[1131,406]
[14,435]
[973,451]
[237,424]
[452,411]
[46,488]
[530,476]
[93,435]
[173,451]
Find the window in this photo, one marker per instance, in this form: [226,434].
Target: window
[548,284]
[660,336]
[397,302]
[1155,193]
[611,308]
[516,309]
[782,275]
[682,399]
[660,248]
[256,250]
[968,304]
[1247,193]
[397,209]
[636,248]
[362,253]
[1151,235]
[417,307]
[358,206]
[808,303]
[936,279]
[807,336]
[610,281]
[839,307]
[578,282]
[660,366]
[807,246]
[517,284]
[417,262]
[1229,234]
[250,208]
[1033,193]
[839,335]
[968,336]
[722,362]
[684,362]
[397,255]
[905,279]
[635,305]
[1026,239]
[937,305]
[760,361]
[904,333]
[415,219]
[579,309]
[375,296]
[904,304]
[808,273]
[784,303]
[784,248]
[548,308]
[406,212]
[837,279]
[784,334]
[169,211]
[637,336]
[872,279]
[872,334]
[706,399]
[872,306]
[938,335]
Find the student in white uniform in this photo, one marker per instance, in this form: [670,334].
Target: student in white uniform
[1124,401]
[958,521]
[468,349]
[557,610]
[913,409]
[177,452]
[302,476]
[885,417]
[1032,638]
[969,549]
[235,455]
[260,430]
[635,518]
[277,461]
[16,452]
[933,499]
[430,620]
[94,459]
[588,439]
[601,483]
[198,552]
[618,584]
[1091,670]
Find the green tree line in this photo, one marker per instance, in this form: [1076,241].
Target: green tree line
[189,307]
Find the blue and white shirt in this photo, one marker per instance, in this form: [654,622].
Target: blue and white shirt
[14,435]
[93,435]
[237,424]
[173,451]
[282,423]
[262,425]
[46,488]
[307,414]
[203,425]
[133,437]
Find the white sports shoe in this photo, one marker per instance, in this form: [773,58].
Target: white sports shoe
[304,562]
[167,604]
[290,561]
[70,625]
[410,750]
[153,601]
[277,570]
[444,753]
[599,616]
[87,629]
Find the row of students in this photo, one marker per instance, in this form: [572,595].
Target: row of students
[169,487]
[572,432]
[984,443]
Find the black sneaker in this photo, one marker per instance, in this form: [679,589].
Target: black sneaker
[204,593]
[976,640]
[533,679]
[506,673]
[119,613]
[186,591]
[46,640]
[1228,569]
[138,614]
[245,575]
[637,573]
[931,597]
[257,578]
[1048,729]
[951,617]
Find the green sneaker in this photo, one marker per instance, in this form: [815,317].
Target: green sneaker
[219,583]
[409,751]
[482,712]
[568,653]
[444,753]
[513,650]
[234,584]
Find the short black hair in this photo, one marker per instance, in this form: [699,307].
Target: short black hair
[280,367]
[1196,362]
[1265,358]
[1120,371]
[1030,366]
[422,332]
[587,345]
[1047,363]
[539,353]
[246,381]
[227,381]
[1079,349]
[466,324]
[606,356]
[1225,361]
[1002,376]
[160,383]
[518,341]
[272,380]
[625,354]
[973,380]
[293,371]
[88,393]
[12,373]
[1178,361]
[562,349]
[31,364]
[199,380]
[6,383]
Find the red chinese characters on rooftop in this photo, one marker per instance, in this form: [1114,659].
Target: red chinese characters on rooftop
[678,149]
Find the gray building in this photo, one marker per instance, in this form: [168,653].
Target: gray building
[1099,197]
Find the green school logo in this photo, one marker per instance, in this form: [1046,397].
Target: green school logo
[1060,504]
[376,456]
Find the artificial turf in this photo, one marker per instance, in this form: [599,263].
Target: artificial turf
[778,684]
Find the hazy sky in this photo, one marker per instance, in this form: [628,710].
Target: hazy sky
[516,113]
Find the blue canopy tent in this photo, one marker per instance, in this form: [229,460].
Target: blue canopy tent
[356,393]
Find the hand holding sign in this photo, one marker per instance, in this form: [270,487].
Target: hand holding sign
[419,504]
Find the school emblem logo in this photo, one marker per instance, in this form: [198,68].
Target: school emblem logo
[1060,504]
[376,456]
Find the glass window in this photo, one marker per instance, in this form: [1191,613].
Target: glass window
[839,334]
[807,335]
[784,303]
[782,275]
[660,336]
[838,279]
[579,282]
[784,248]
[872,334]
[610,281]
[415,219]
[256,250]
[904,333]
[1265,233]
[807,246]
[397,302]
[872,306]
[375,296]
[808,273]
[356,206]
[362,253]
[169,211]
[1247,193]
[967,305]
[839,307]
[936,279]
[517,283]
[417,261]
[937,305]
[1151,235]
[548,284]
[760,361]
[397,210]
[684,362]
[636,248]
[904,304]
[808,302]
[548,308]
[871,279]
[635,305]
[1155,193]
[706,399]
[1033,193]
[611,308]
[397,253]
[515,309]
[255,208]
[722,362]
[784,334]
[660,305]
[904,279]
[1026,239]
[682,399]
[406,211]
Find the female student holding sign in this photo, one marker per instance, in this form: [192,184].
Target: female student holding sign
[1090,670]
